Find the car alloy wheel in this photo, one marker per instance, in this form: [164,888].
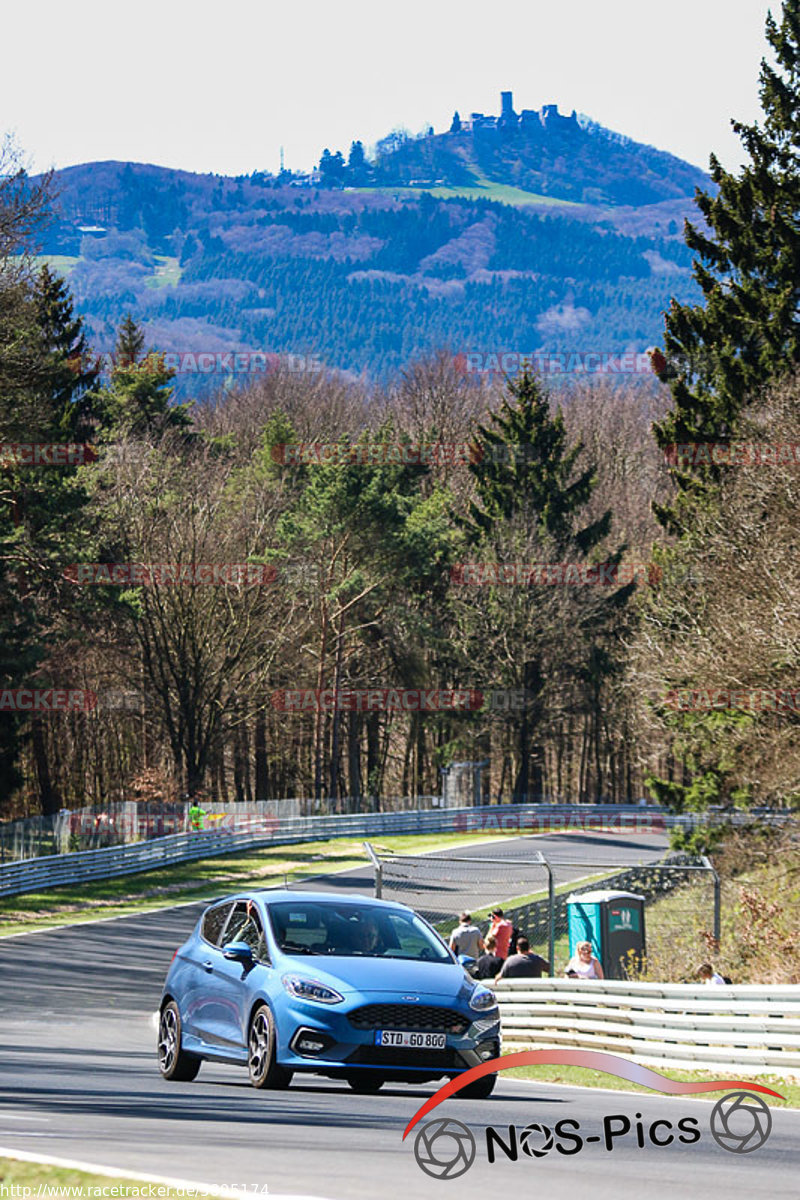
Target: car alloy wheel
[264,1070]
[173,1062]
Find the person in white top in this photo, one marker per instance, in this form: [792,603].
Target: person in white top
[584,964]
[708,975]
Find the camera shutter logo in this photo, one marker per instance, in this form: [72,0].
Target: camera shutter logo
[444,1149]
[536,1140]
[741,1122]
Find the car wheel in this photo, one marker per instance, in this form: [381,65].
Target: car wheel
[365,1084]
[264,1070]
[479,1089]
[173,1061]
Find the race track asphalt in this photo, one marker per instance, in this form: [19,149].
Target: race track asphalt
[78,1079]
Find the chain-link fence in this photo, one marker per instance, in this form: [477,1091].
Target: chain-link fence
[682,898]
[122,822]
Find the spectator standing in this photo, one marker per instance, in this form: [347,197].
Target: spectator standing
[584,964]
[707,974]
[489,963]
[466,938]
[502,930]
[524,964]
[197,817]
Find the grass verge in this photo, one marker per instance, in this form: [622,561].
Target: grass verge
[31,1179]
[207,877]
[583,1077]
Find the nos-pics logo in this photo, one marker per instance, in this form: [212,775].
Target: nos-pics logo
[740,1122]
[446,1149]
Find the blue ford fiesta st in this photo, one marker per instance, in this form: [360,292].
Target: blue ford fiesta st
[352,988]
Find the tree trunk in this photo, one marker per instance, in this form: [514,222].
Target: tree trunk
[262,764]
[354,757]
[49,798]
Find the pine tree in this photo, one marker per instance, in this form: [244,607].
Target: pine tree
[70,371]
[130,342]
[747,330]
[530,493]
[455,124]
[526,466]
[40,514]
[138,401]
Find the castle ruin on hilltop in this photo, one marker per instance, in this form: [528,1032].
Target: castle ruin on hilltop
[547,117]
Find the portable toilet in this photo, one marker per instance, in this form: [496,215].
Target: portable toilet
[614,923]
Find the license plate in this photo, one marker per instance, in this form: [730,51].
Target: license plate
[419,1041]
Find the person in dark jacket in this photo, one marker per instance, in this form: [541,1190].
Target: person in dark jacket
[488,965]
[524,964]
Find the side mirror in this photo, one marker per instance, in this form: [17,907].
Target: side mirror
[466,960]
[238,952]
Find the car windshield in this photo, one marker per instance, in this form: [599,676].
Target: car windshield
[304,927]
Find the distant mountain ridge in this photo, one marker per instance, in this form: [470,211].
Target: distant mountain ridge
[365,275]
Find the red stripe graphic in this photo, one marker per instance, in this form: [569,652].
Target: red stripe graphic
[597,1060]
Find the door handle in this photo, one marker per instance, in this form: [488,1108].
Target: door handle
[208,965]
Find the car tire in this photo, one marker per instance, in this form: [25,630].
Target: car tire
[173,1061]
[479,1089]
[365,1083]
[263,1069]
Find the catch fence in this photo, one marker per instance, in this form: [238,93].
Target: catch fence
[682,895]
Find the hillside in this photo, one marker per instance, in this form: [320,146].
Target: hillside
[539,152]
[366,277]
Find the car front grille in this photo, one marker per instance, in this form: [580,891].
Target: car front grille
[423,1017]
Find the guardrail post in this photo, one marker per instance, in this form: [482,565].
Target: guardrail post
[717,898]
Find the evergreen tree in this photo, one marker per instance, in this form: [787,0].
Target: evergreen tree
[747,332]
[40,516]
[526,466]
[138,401]
[70,372]
[530,496]
[455,124]
[130,342]
[356,160]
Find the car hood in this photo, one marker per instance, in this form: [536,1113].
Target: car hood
[393,976]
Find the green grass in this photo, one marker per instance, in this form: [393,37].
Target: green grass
[582,1077]
[63,263]
[33,1176]
[166,274]
[208,877]
[484,189]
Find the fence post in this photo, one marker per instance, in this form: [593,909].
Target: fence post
[717,898]
[376,862]
[551,912]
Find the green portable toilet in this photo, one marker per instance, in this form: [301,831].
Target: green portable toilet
[613,922]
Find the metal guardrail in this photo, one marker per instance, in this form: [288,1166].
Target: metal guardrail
[30,875]
[750,1029]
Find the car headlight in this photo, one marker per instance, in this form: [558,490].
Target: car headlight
[482,999]
[310,989]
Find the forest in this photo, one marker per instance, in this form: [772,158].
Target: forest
[473,569]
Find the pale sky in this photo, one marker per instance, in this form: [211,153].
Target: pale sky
[221,87]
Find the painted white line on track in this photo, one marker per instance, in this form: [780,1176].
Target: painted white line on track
[7,1116]
[117,1172]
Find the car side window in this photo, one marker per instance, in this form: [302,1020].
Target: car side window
[245,926]
[214,922]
